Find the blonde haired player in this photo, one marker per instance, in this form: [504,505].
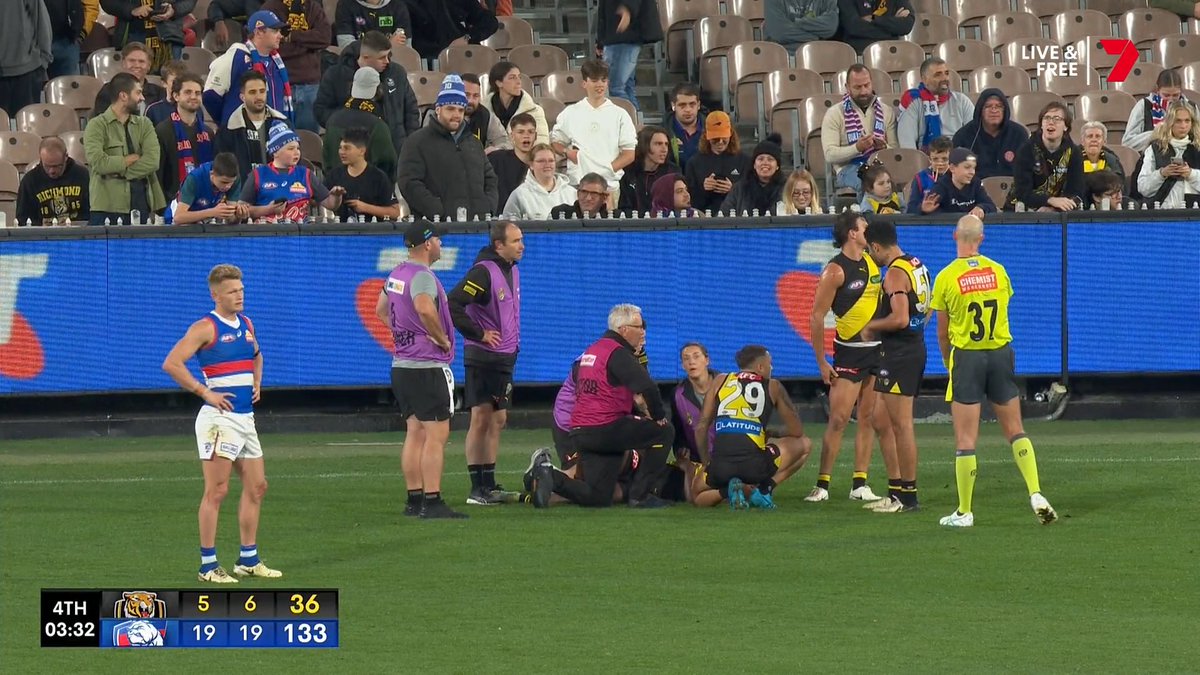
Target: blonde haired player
[970,296]
[227,348]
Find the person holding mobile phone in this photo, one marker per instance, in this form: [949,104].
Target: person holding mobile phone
[1169,169]
[857,128]
[283,191]
[717,166]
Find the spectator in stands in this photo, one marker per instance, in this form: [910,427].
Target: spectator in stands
[158,26]
[369,192]
[718,166]
[507,99]
[437,25]
[1171,166]
[959,191]
[866,21]
[791,23]
[361,111]
[1048,171]
[135,60]
[671,198]
[622,27]
[56,188]
[879,195]
[25,54]
[234,10]
[991,135]
[932,109]
[651,161]
[123,157]
[259,53]
[543,190]
[1149,112]
[161,110]
[443,168]
[210,193]
[685,125]
[1096,155]
[70,22]
[396,99]
[923,182]
[512,164]
[595,134]
[284,190]
[1105,184]
[1187,9]
[184,138]
[354,18]
[479,122]
[307,35]
[858,128]
[800,195]
[591,199]
[761,191]
[245,134]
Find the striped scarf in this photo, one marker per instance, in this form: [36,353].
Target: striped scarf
[191,156]
[258,62]
[1158,110]
[854,125]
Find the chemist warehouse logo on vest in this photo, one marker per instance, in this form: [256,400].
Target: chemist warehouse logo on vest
[1057,61]
[21,354]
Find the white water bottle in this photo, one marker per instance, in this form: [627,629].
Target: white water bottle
[1019,207]
[461,214]
[3,219]
[135,217]
[1106,204]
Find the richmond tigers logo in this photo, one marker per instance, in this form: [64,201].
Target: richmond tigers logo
[139,605]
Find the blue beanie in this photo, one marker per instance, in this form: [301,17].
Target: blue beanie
[453,92]
[281,134]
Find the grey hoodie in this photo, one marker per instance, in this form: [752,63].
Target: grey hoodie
[794,22]
[27,24]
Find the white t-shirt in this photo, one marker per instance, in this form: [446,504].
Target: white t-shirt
[600,134]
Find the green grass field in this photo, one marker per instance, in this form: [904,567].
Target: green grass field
[1111,587]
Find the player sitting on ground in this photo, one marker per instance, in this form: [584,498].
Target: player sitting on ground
[741,406]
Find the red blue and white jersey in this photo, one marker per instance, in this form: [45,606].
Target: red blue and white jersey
[294,186]
[228,361]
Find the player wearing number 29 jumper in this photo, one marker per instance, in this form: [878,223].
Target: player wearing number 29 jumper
[971,298]
[225,344]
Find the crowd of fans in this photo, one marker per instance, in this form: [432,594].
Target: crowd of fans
[223,145]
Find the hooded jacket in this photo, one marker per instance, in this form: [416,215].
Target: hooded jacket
[995,154]
[438,174]
[662,202]
[1039,174]
[399,103]
[954,200]
[531,201]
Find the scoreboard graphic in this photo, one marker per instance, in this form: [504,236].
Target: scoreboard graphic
[139,619]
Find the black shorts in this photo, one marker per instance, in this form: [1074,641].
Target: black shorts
[855,364]
[425,393]
[978,373]
[901,369]
[751,467]
[488,386]
[568,456]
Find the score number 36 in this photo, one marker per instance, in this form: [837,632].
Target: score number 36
[299,604]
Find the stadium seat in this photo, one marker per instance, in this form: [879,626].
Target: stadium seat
[47,119]
[893,56]
[198,60]
[408,58]
[930,30]
[1176,49]
[514,32]
[826,57]
[751,10]
[1068,27]
[1027,106]
[467,59]
[783,93]
[1145,26]
[1014,53]
[714,36]
[5,122]
[966,55]
[96,40]
[997,188]
[1191,75]
[74,143]
[425,85]
[1142,79]
[1009,79]
[1068,87]
[812,113]
[633,112]
[552,107]
[883,82]
[1005,27]
[104,63]
[10,183]
[970,14]
[564,85]
[76,92]
[1110,107]
[236,33]
[679,16]
[1047,8]
[1113,8]
[1128,156]
[538,61]
[311,146]
[1090,52]
[903,164]
[20,148]
[749,63]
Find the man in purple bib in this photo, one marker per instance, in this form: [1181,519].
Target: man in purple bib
[413,306]
[486,308]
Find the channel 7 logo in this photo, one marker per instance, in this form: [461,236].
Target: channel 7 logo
[1057,61]
[1127,55]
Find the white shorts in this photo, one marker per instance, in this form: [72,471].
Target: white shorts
[228,435]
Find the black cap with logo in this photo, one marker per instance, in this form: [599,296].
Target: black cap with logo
[419,232]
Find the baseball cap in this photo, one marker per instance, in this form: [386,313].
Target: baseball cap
[717,125]
[960,155]
[263,19]
[420,231]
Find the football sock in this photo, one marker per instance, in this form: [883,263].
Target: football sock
[488,475]
[249,555]
[823,481]
[894,488]
[1026,461]
[208,559]
[476,471]
[860,479]
[767,486]
[908,492]
[433,497]
[964,470]
[415,497]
